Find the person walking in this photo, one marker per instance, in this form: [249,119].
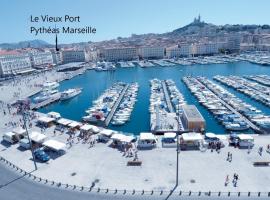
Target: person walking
[227,181]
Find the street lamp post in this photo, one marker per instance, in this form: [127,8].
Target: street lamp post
[23,110]
[177,147]
[30,142]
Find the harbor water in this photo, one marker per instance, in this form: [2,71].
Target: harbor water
[94,83]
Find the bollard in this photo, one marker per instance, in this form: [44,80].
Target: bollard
[98,190]
[66,185]
[229,194]
[248,194]
[46,181]
[107,190]
[219,193]
[180,193]
[133,192]
[259,194]
[189,194]
[142,192]
[161,192]
[269,194]
[115,191]
[125,191]
[74,187]
[82,188]
[199,193]
[59,184]
[209,193]
[40,179]
[52,182]
[152,192]
[239,194]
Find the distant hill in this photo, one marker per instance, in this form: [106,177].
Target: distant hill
[26,44]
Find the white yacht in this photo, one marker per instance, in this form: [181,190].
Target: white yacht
[67,94]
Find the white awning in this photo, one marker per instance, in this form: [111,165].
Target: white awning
[127,138]
[191,136]
[118,136]
[86,127]
[169,135]
[55,145]
[19,131]
[74,124]
[37,137]
[245,137]
[45,119]
[64,121]
[55,115]
[106,132]
[147,136]
[210,135]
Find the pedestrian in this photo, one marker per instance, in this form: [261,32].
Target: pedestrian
[227,180]
[228,156]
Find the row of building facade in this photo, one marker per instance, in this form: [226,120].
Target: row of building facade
[180,50]
[19,62]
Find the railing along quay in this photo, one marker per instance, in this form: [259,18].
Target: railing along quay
[93,189]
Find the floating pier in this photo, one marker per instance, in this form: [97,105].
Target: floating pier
[167,97]
[227,105]
[53,99]
[115,106]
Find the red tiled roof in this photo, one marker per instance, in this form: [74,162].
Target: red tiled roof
[5,52]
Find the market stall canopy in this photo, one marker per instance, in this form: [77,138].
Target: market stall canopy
[55,145]
[192,136]
[64,121]
[210,135]
[106,132]
[127,138]
[169,135]
[45,119]
[55,115]
[86,127]
[245,137]
[118,136]
[74,124]
[147,136]
[19,131]
[37,137]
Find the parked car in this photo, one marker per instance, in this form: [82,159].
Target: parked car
[41,155]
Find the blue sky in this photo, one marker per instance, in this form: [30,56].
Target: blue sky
[113,18]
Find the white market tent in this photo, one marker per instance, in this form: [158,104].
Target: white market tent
[54,115]
[245,137]
[118,136]
[127,138]
[88,127]
[64,121]
[37,137]
[169,135]
[192,136]
[106,132]
[210,135]
[45,119]
[55,145]
[74,124]
[147,136]
[19,131]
